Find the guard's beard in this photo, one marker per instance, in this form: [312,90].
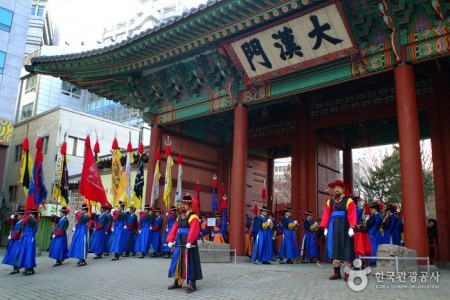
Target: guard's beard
[337,195]
[183,210]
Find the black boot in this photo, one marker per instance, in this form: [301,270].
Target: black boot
[82,262]
[336,274]
[116,257]
[175,285]
[28,271]
[192,287]
[15,271]
[58,263]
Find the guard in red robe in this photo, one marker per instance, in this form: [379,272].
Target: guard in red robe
[183,236]
[339,221]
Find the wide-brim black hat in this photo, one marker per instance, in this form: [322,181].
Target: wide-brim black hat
[157,209]
[187,199]
[63,209]
[264,208]
[20,210]
[287,209]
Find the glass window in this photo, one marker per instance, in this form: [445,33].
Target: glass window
[80,148]
[71,142]
[2,61]
[70,90]
[75,146]
[18,153]
[12,193]
[30,85]
[5,19]
[37,10]
[27,110]
[45,144]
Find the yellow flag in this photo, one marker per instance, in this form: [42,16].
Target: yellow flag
[119,178]
[155,186]
[26,167]
[168,182]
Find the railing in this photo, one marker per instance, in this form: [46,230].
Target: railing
[397,258]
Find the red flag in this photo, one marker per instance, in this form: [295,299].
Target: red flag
[91,186]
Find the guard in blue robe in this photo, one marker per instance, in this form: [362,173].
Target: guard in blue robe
[157,224]
[389,223]
[58,247]
[130,229]
[373,229]
[79,245]
[12,252]
[119,242]
[97,245]
[107,240]
[27,253]
[398,230]
[171,218]
[262,250]
[143,238]
[289,248]
[309,245]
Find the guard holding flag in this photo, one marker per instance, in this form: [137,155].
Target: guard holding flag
[185,263]
[98,237]
[27,253]
[58,247]
[79,245]
[156,233]
[12,252]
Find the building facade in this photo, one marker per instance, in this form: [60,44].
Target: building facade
[54,124]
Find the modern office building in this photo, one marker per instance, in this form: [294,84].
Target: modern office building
[14,16]
[151,13]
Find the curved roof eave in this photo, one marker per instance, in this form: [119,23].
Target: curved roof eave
[172,22]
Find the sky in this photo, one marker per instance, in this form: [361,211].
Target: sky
[84,20]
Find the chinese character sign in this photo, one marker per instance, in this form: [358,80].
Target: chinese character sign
[302,42]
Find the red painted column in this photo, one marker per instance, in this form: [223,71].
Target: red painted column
[155,138]
[348,167]
[312,197]
[440,140]
[303,145]
[413,206]
[270,172]
[238,179]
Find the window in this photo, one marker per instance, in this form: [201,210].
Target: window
[37,10]
[27,110]
[5,19]
[12,193]
[70,90]
[2,61]
[75,146]
[18,153]
[30,85]
[45,144]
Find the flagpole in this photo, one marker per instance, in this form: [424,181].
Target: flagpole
[16,194]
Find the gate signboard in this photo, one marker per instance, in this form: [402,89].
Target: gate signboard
[309,39]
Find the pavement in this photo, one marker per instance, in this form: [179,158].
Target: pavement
[135,278]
